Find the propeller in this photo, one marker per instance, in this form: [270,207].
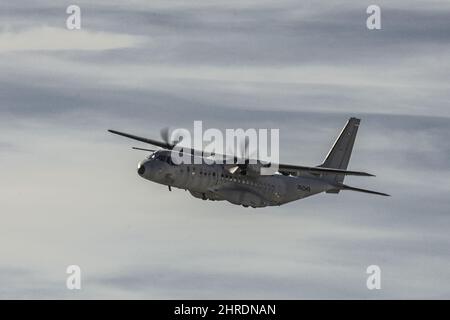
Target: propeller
[243,152]
[165,135]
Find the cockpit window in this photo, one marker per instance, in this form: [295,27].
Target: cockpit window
[164,158]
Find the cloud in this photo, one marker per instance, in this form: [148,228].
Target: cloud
[71,194]
[53,39]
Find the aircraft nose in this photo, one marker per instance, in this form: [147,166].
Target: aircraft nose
[141,168]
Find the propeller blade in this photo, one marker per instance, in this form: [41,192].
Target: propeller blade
[243,148]
[246,153]
[165,134]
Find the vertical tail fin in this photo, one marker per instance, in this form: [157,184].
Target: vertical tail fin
[339,155]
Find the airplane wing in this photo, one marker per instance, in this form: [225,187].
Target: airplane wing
[287,168]
[283,168]
[165,145]
[157,143]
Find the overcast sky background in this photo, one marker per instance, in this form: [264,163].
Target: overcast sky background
[70,194]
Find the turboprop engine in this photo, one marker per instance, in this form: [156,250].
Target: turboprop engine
[249,169]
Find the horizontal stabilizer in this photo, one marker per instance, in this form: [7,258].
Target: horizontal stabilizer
[345,187]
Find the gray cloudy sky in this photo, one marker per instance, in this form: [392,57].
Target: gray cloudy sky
[69,192]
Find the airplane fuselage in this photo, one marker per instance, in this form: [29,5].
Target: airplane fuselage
[215,182]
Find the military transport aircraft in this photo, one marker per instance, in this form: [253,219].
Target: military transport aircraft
[242,183]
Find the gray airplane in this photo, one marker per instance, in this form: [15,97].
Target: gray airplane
[242,183]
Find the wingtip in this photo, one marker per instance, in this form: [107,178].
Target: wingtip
[115,131]
[366,174]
